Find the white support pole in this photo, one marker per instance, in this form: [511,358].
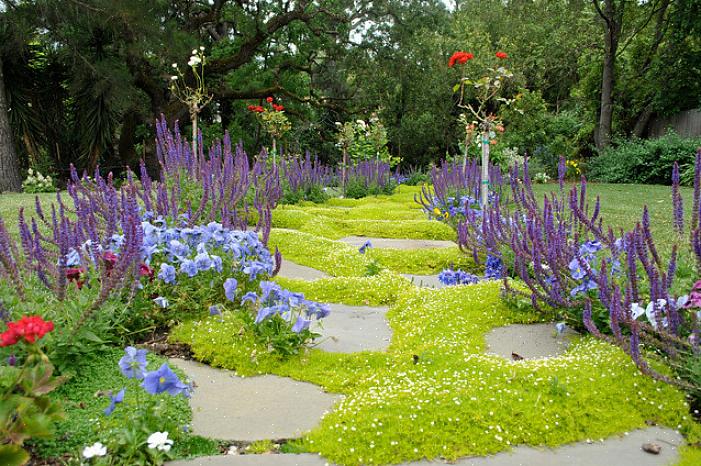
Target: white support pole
[484,186]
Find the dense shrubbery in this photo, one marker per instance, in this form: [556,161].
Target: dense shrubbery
[645,160]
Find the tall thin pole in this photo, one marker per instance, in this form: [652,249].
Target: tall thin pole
[484,188]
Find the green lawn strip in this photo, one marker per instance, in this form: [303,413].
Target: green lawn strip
[455,401]
[689,456]
[85,422]
[377,290]
[423,261]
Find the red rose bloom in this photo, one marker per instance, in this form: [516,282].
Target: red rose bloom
[460,58]
[278,108]
[30,329]
[269,100]
[501,55]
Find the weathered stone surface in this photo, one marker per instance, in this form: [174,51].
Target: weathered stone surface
[301,272]
[228,407]
[254,460]
[392,243]
[530,341]
[425,281]
[349,329]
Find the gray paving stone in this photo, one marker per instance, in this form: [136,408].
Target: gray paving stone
[614,451]
[350,329]
[530,341]
[424,281]
[301,272]
[305,459]
[392,243]
[228,407]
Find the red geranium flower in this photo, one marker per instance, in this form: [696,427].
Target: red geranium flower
[269,100]
[30,329]
[251,107]
[501,55]
[460,58]
[278,108]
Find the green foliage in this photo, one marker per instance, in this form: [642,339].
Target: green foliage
[37,183]
[26,408]
[645,161]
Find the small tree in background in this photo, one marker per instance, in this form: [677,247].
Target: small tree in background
[482,99]
[196,98]
[273,121]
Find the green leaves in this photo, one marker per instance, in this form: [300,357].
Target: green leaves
[13,455]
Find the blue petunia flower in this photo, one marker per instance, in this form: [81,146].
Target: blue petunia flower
[189,268]
[167,273]
[365,247]
[133,363]
[230,286]
[164,380]
[301,324]
[114,401]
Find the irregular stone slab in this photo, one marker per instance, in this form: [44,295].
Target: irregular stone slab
[228,407]
[301,272]
[392,243]
[614,451]
[350,329]
[424,281]
[530,341]
[305,459]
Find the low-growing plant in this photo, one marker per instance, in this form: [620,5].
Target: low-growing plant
[38,183]
[26,411]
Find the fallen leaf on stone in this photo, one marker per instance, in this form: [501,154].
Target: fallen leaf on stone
[652,448]
[516,357]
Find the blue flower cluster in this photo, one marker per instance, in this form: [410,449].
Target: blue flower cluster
[457,277]
[578,268]
[190,251]
[133,366]
[494,268]
[453,207]
[273,300]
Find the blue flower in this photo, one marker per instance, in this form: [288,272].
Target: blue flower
[188,267]
[230,288]
[114,401]
[560,327]
[586,285]
[72,258]
[161,302]
[253,269]
[457,277]
[589,248]
[133,363]
[167,273]
[250,297]
[494,269]
[576,269]
[214,310]
[364,247]
[177,249]
[217,263]
[301,324]
[265,312]
[164,380]
[203,261]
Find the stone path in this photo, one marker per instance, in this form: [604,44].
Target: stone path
[349,329]
[530,341]
[615,451]
[301,272]
[392,243]
[424,281]
[228,407]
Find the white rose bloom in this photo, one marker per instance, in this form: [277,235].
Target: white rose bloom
[96,449]
[159,441]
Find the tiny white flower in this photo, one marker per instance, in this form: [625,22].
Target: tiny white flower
[30,171]
[202,47]
[174,65]
[159,441]
[194,51]
[96,449]
[173,78]
[194,61]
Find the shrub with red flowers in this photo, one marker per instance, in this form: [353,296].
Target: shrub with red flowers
[273,121]
[460,58]
[27,411]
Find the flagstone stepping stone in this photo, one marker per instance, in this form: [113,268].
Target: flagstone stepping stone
[392,243]
[531,341]
[305,459]
[301,272]
[350,329]
[424,281]
[616,451]
[228,407]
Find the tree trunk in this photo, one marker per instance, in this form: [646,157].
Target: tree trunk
[612,28]
[10,179]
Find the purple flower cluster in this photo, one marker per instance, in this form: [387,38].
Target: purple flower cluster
[303,174]
[272,301]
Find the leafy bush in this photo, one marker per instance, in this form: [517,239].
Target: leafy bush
[38,183]
[645,160]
